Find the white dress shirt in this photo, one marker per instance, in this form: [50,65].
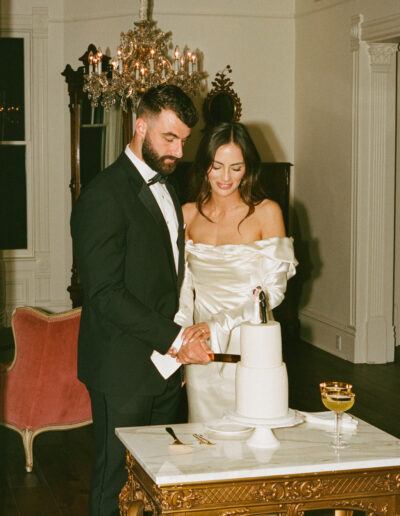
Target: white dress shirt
[163,198]
[165,364]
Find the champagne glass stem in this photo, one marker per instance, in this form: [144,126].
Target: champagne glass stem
[338,425]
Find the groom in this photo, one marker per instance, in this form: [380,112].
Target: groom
[128,239]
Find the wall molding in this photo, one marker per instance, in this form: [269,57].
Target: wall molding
[381,29]
[369,335]
[322,6]
[28,273]
[134,16]
[373,186]
[336,325]
[355,38]
[273,9]
[326,334]
[18,22]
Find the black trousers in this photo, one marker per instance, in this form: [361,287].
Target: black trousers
[109,412]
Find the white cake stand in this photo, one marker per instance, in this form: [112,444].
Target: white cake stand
[263,436]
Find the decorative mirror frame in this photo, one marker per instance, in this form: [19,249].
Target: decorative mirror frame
[222,85]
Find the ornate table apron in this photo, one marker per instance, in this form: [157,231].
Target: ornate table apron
[375,491]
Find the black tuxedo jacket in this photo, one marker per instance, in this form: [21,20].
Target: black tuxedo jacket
[131,289]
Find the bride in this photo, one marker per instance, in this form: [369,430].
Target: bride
[235,241]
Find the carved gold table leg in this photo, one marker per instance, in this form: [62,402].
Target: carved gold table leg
[135,508]
[340,512]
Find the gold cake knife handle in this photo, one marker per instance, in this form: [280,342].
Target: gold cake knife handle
[225,357]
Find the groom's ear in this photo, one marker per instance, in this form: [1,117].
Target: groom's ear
[141,127]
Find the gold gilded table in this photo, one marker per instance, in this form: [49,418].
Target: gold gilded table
[232,478]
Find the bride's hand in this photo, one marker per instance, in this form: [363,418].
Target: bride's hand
[199,330]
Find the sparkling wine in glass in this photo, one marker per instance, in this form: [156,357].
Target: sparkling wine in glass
[338,397]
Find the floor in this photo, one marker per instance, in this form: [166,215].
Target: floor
[59,482]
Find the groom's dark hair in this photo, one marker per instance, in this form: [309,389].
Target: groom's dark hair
[168,96]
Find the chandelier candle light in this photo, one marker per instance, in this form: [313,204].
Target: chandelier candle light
[141,62]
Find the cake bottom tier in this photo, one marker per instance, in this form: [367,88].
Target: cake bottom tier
[262,393]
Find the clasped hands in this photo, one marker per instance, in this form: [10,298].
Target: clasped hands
[194,349]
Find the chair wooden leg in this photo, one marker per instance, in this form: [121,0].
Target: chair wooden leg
[27,439]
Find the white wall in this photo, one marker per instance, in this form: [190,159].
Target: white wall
[323,160]
[37,276]
[326,189]
[294,70]
[255,37]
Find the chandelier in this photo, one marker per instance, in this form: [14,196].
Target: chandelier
[142,61]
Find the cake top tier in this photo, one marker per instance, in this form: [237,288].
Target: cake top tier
[261,345]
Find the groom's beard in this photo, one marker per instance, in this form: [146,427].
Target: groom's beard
[155,161]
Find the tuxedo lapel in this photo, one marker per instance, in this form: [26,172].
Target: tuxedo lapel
[181,233]
[149,202]
[143,191]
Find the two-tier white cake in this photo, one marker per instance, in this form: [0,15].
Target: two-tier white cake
[261,376]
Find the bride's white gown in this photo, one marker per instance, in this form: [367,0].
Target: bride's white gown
[218,286]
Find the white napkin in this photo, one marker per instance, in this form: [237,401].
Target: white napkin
[166,364]
[327,418]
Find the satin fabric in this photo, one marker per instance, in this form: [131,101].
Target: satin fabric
[218,289]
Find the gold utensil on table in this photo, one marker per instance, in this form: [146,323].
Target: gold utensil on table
[173,435]
[202,439]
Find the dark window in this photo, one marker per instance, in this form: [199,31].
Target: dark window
[13,223]
[12,105]
[13,197]
[92,141]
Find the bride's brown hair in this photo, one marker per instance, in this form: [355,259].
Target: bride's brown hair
[250,188]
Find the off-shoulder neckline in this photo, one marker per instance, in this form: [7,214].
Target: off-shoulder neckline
[255,242]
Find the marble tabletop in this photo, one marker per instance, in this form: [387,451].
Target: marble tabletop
[303,448]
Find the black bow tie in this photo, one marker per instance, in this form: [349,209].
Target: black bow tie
[158,178]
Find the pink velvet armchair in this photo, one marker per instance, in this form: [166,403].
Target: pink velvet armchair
[39,390]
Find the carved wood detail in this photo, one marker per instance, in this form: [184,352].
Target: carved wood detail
[293,509]
[236,511]
[370,491]
[364,505]
[133,491]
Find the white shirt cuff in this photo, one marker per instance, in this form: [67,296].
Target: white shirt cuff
[166,364]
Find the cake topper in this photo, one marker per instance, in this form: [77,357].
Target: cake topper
[260,300]
[263,307]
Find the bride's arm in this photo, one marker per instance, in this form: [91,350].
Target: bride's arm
[184,316]
[277,271]
[218,327]
[274,271]
[278,268]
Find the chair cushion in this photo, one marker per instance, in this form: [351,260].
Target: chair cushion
[42,389]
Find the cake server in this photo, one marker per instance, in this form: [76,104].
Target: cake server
[224,357]
[173,435]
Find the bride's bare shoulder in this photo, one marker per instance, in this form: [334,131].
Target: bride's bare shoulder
[268,207]
[189,211]
[269,214]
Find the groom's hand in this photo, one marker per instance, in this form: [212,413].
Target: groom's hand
[195,351]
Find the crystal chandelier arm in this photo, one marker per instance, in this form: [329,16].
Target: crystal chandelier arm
[142,62]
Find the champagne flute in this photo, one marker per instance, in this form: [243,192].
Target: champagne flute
[338,397]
